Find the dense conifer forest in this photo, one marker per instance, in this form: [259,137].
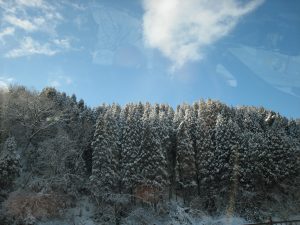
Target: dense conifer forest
[207,157]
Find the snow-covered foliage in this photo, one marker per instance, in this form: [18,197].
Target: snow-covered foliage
[185,158]
[177,214]
[9,163]
[210,157]
[106,152]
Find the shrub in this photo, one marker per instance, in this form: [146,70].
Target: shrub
[30,207]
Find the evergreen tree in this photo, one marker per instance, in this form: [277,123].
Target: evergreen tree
[205,145]
[193,127]
[280,161]
[227,145]
[132,134]
[105,152]
[9,163]
[152,162]
[185,160]
[252,159]
[168,141]
[99,154]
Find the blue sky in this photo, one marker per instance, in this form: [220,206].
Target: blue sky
[166,51]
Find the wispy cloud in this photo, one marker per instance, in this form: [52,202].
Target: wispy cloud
[60,80]
[3,85]
[18,13]
[55,83]
[5,82]
[21,23]
[31,3]
[28,47]
[182,29]
[226,75]
[62,43]
[6,32]
[32,19]
[76,6]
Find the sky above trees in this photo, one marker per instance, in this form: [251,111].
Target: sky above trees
[239,52]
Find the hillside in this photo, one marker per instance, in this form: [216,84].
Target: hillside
[66,163]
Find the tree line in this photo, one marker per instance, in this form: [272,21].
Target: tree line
[143,152]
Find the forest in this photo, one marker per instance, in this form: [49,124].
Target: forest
[207,157]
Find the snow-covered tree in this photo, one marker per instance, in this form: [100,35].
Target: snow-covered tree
[132,134]
[227,145]
[9,163]
[280,161]
[152,163]
[249,118]
[58,166]
[205,144]
[99,153]
[106,153]
[207,148]
[252,159]
[185,159]
[194,127]
[168,141]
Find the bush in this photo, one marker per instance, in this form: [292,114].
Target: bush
[30,207]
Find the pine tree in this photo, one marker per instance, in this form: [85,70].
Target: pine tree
[152,162]
[252,160]
[168,141]
[9,163]
[205,144]
[132,133]
[106,152]
[99,155]
[193,126]
[280,162]
[227,145]
[185,159]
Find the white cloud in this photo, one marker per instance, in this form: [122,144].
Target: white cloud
[55,83]
[60,80]
[6,32]
[62,43]
[76,6]
[3,85]
[28,47]
[37,17]
[31,3]
[23,24]
[67,80]
[226,75]
[46,16]
[182,29]
[4,82]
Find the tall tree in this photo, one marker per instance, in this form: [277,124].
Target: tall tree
[185,159]
[168,141]
[152,162]
[132,134]
[9,163]
[227,144]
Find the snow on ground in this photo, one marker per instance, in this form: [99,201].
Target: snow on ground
[81,214]
[172,214]
[178,215]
